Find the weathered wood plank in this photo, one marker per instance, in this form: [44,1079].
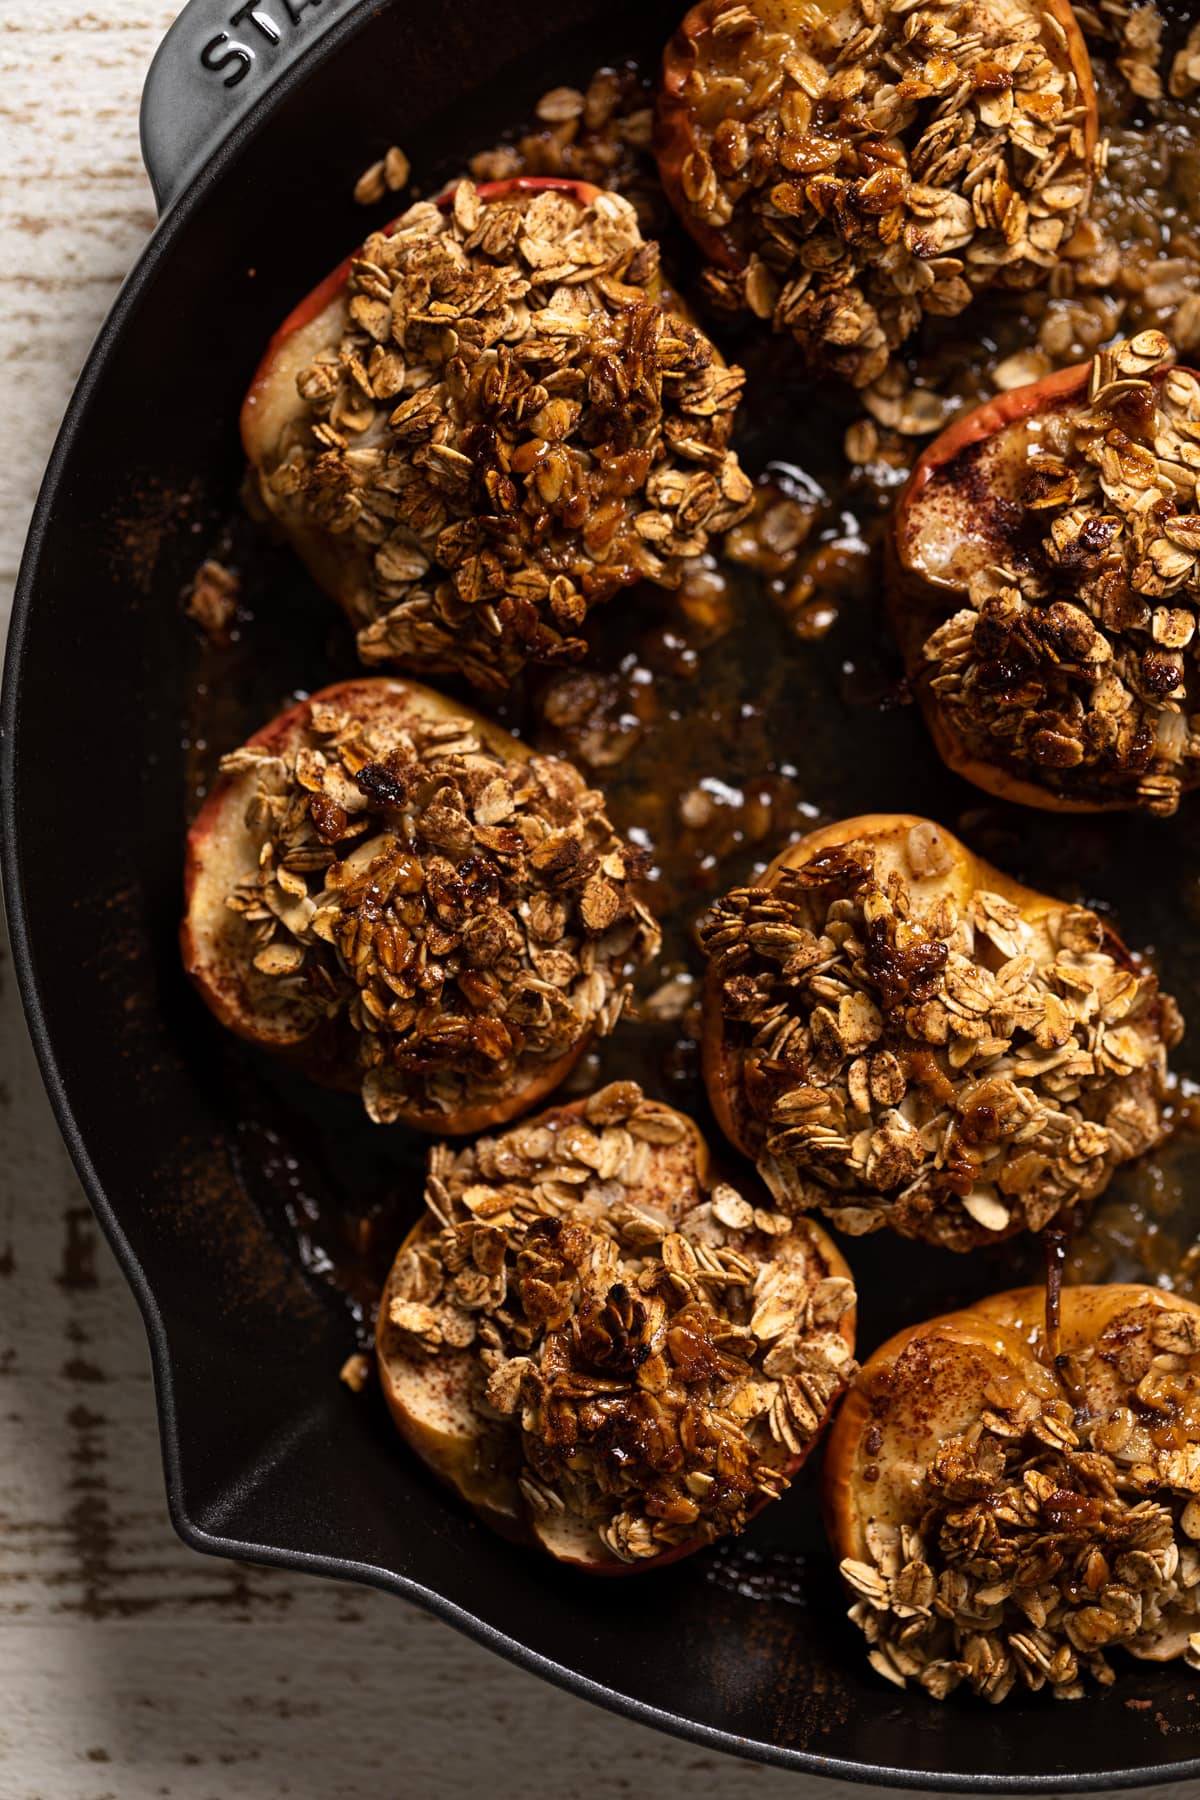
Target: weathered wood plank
[75,208]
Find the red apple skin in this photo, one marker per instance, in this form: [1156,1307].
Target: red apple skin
[497,1516]
[918,601]
[318,1052]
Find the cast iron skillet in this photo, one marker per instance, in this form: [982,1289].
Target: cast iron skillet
[268,1457]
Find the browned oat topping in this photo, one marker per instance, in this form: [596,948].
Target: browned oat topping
[665,1348]
[1131,265]
[355,1373]
[473,916]
[1049,1536]
[212,600]
[878,162]
[387,176]
[950,1072]
[1075,662]
[511,430]
[1140,30]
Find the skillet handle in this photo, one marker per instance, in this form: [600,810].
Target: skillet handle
[217,60]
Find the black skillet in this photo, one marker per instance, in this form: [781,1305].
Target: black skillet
[208,1172]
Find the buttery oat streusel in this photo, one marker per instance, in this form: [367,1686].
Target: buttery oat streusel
[504,428]
[1071,531]
[1017,1531]
[468,911]
[850,168]
[642,1354]
[898,1043]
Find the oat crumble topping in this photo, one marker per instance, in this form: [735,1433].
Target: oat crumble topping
[1048,1536]
[663,1348]
[1071,664]
[874,163]
[355,1373]
[473,917]
[387,176]
[212,600]
[510,430]
[897,1060]
[1185,67]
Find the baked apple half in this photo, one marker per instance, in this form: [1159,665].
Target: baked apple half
[901,1035]
[1045,582]
[1011,1504]
[486,423]
[848,167]
[604,1349]
[403,899]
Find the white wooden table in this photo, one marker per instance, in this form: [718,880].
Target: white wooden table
[129,1667]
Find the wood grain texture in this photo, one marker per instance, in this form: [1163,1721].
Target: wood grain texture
[128,1666]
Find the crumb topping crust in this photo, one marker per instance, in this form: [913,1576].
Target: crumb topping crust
[1072,664]
[1047,1535]
[660,1347]
[510,430]
[902,1061]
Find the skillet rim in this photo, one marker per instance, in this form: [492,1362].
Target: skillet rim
[172,225]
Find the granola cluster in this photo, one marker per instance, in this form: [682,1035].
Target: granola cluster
[952,1071]
[1049,1535]
[663,1349]
[473,917]
[875,162]
[510,430]
[1071,664]
[601,134]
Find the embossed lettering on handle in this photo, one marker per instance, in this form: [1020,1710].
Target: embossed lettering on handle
[216,61]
